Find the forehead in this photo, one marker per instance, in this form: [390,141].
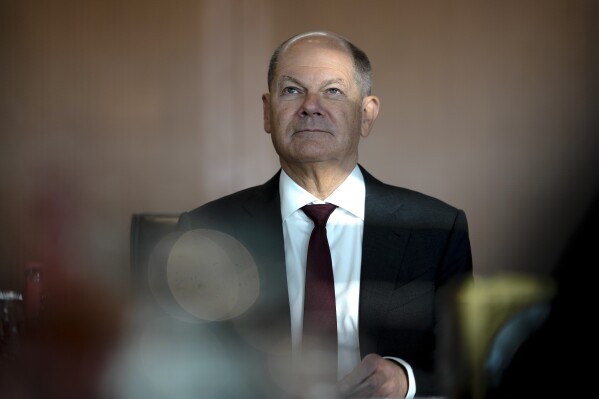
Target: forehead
[315,55]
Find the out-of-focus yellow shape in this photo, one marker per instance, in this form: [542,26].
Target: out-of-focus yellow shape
[484,306]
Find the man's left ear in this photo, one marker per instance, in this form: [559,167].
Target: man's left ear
[370,110]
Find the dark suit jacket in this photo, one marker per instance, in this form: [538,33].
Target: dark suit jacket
[413,245]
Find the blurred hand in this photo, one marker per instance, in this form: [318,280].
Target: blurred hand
[377,377]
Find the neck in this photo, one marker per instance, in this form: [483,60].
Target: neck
[318,178]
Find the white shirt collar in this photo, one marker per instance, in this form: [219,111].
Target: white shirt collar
[350,195]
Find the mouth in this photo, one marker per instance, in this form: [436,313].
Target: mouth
[312,130]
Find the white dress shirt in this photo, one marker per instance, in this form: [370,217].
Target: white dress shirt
[345,229]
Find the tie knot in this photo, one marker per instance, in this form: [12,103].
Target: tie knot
[319,213]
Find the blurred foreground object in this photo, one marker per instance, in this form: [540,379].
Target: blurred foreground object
[186,336]
[489,319]
[11,320]
[62,351]
[554,361]
[203,274]
[518,336]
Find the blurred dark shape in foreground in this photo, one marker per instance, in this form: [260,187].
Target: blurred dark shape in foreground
[61,345]
[554,361]
[521,335]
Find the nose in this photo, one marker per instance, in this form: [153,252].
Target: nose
[311,106]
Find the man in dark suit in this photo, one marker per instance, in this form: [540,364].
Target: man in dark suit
[392,249]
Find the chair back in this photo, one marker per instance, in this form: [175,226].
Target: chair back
[147,229]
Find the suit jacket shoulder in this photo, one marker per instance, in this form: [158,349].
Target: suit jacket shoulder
[235,208]
[253,218]
[421,207]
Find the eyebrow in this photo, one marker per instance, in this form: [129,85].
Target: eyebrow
[297,82]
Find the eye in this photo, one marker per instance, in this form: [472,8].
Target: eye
[290,90]
[333,90]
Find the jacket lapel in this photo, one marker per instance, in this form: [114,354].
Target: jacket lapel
[263,233]
[383,246]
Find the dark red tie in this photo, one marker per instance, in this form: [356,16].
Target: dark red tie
[320,318]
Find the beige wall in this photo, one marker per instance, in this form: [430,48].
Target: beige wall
[114,107]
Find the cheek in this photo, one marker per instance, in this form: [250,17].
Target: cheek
[282,120]
[352,122]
